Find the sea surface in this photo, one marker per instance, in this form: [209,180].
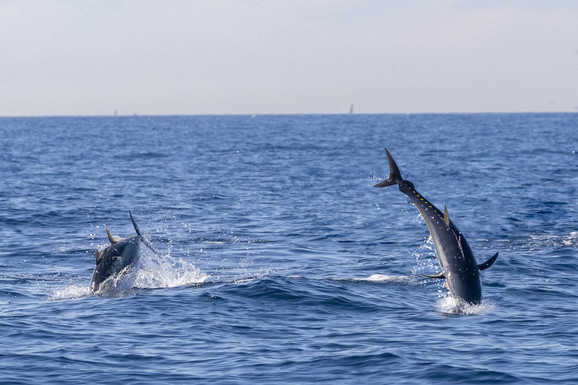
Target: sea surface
[278,262]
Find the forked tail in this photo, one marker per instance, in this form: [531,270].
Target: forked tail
[394,174]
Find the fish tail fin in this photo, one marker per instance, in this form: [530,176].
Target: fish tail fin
[394,173]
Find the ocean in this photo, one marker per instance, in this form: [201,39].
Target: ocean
[278,262]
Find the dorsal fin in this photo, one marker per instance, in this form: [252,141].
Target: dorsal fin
[134,223]
[446,216]
[110,237]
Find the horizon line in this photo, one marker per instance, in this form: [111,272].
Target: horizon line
[137,115]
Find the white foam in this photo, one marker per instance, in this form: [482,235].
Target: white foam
[382,278]
[244,280]
[449,305]
[70,292]
[571,239]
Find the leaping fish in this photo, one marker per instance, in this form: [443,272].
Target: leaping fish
[119,257]
[459,266]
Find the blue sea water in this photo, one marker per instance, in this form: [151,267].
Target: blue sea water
[278,260]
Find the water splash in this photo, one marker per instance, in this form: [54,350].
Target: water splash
[425,258]
[166,271]
[70,292]
[451,306]
[151,271]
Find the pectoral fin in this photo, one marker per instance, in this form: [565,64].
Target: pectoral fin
[488,263]
[440,275]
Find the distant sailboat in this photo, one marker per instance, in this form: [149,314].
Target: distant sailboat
[351,109]
[115,112]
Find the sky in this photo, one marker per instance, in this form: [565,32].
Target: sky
[195,57]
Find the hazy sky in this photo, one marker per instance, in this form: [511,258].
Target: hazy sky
[267,56]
